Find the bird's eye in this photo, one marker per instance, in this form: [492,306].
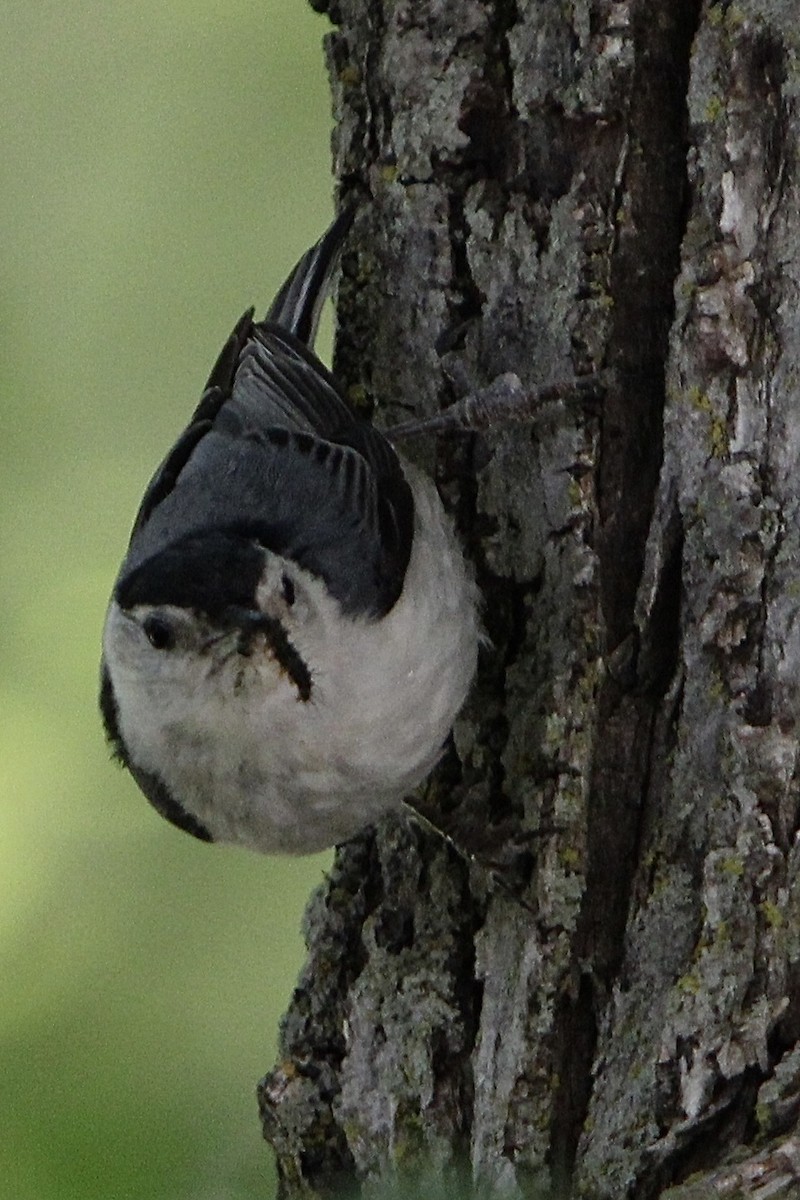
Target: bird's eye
[159,633]
[287,586]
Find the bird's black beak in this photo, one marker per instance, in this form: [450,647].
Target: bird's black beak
[248,622]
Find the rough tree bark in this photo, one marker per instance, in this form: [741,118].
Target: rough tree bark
[552,189]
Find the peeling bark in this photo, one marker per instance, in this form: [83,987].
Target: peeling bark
[593,988]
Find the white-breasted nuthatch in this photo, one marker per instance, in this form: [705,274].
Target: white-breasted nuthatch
[293,629]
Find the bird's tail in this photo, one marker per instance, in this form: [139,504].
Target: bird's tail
[297,305]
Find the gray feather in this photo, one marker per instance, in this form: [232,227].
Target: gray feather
[274,453]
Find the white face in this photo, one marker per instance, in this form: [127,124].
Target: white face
[171,667]
[162,643]
[164,662]
[164,628]
[170,656]
[165,648]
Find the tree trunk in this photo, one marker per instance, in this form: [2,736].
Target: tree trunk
[592,989]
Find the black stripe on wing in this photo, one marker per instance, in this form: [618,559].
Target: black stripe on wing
[280,382]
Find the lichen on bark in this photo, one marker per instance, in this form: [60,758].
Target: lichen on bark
[593,986]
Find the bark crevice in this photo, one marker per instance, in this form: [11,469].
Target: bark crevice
[554,190]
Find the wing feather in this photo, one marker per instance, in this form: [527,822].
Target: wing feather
[273,452]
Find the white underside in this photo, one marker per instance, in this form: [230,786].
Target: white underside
[259,766]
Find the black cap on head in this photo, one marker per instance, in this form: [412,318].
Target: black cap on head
[209,572]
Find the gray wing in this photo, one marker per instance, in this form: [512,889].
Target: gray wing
[274,453]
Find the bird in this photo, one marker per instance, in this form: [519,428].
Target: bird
[294,627]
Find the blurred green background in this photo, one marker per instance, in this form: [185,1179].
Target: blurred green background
[163,166]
